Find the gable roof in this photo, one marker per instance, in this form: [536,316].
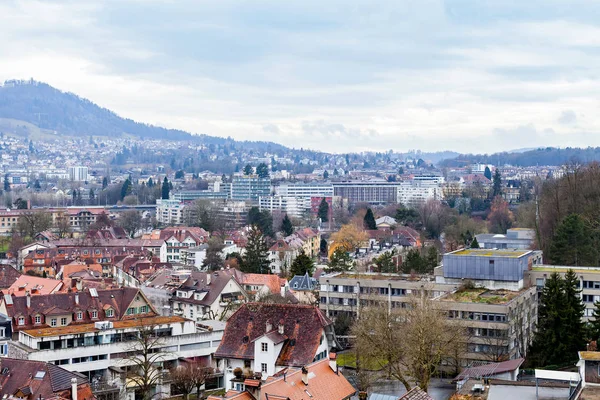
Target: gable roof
[34,285]
[490,369]
[198,281]
[303,282]
[8,276]
[416,393]
[302,323]
[323,383]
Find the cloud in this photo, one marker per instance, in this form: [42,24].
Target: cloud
[425,74]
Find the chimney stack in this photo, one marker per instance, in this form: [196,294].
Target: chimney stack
[333,362]
[269,327]
[280,327]
[304,376]
[28,297]
[74,388]
[208,277]
[77,298]
[282,290]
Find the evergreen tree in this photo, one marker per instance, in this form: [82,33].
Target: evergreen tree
[92,195]
[6,183]
[340,261]
[248,169]
[369,220]
[475,244]
[323,212]
[431,259]
[262,219]
[125,189]
[166,189]
[105,182]
[262,170]
[488,173]
[573,243]
[213,260]
[325,175]
[256,257]
[150,182]
[574,311]
[323,246]
[36,185]
[302,264]
[385,263]
[594,324]
[286,226]
[497,184]
[413,262]
[179,174]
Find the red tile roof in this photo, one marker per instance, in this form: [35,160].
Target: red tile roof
[35,286]
[416,393]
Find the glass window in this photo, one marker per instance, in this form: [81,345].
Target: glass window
[94,314]
[79,315]
[38,319]
[110,313]
[21,321]
[53,322]
[264,346]
[263,368]
[63,321]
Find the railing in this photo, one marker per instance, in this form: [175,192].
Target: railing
[103,386]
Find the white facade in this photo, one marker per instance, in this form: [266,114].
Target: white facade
[169,212]
[184,302]
[419,190]
[292,206]
[305,190]
[78,173]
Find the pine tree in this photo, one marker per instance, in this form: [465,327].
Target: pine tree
[340,261]
[594,324]
[573,243]
[125,188]
[497,184]
[256,257]
[105,182]
[150,182]
[325,175]
[574,326]
[369,220]
[302,264]
[248,169]
[323,246]
[166,189]
[323,212]
[286,226]
[262,170]
[6,183]
[488,173]
[385,263]
[475,244]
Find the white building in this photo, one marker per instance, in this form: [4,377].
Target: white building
[292,206]
[170,212]
[78,173]
[420,189]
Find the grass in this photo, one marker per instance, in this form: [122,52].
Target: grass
[482,296]
[490,253]
[348,360]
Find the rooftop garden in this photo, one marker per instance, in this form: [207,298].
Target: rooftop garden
[482,296]
[490,253]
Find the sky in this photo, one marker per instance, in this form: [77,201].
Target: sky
[335,75]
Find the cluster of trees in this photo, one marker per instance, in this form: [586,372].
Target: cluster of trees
[420,261]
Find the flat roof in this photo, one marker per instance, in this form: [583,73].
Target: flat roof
[88,328]
[565,268]
[483,296]
[589,355]
[490,253]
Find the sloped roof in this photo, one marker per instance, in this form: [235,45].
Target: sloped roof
[416,393]
[490,369]
[303,282]
[25,283]
[198,282]
[8,275]
[303,326]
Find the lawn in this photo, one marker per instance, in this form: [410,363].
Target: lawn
[348,360]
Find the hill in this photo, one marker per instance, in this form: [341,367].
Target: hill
[24,104]
[529,158]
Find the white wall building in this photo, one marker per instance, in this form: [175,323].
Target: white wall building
[420,189]
[170,212]
[78,173]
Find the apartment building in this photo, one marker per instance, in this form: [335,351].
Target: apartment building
[372,192]
[78,173]
[305,190]
[170,212]
[250,187]
[292,206]
[516,238]
[418,190]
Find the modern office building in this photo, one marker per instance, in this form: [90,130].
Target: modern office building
[250,187]
[292,206]
[305,190]
[516,238]
[170,212]
[78,174]
[371,192]
[417,191]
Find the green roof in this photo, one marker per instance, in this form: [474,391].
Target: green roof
[490,253]
[481,295]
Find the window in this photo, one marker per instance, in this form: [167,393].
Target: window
[264,347]
[94,314]
[263,368]
[130,311]
[143,309]
[246,363]
[79,315]
[4,349]
[21,320]
[38,319]
[63,321]
[53,322]
[110,313]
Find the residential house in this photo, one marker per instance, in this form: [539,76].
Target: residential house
[31,380]
[208,295]
[303,287]
[386,223]
[261,340]
[178,238]
[282,253]
[35,285]
[259,285]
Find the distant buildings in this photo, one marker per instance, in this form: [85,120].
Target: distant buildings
[371,192]
[78,173]
[418,190]
[250,187]
[516,238]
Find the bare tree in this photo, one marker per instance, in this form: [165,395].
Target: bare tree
[181,380]
[131,222]
[62,226]
[200,374]
[33,222]
[143,365]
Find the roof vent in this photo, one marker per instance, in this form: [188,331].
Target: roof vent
[245,339]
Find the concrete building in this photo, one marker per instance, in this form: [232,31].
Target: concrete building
[516,238]
[417,191]
[372,192]
[304,190]
[249,187]
[292,206]
[78,173]
[170,212]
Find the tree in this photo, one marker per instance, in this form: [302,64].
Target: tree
[302,264]
[36,184]
[214,260]
[33,222]
[143,366]
[349,238]
[497,184]
[323,212]
[401,171]
[6,183]
[574,313]
[325,175]
[262,219]
[20,204]
[248,170]
[408,217]
[487,173]
[179,174]
[262,170]
[385,262]
[594,324]
[340,261]
[369,220]
[410,343]
[256,257]
[286,226]
[190,376]
[62,226]
[126,189]
[573,243]
[413,262]
[475,243]
[105,182]
[434,217]
[166,189]
[323,246]
[500,218]
[131,222]
[92,195]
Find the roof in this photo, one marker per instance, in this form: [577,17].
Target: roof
[416,393]
[303,282]
[233,395]
[8,275]
[483,296]
[589,355]
[303,326]
[490,369]
[34,285]
[198,281]
[386,219]
[272,281]
[378,396]
[489,253]
[323,383]
[39,379]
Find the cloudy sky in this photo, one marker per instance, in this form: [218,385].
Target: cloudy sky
[336,75]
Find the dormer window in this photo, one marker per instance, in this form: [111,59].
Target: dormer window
[21,321]
[79,315]
[94,314]
[110,313]
[38,319]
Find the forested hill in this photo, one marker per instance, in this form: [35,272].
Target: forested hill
[530,158]
[48,108]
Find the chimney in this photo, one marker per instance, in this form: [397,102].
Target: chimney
[304,376]
[28,297]
[280,327]
[74,388]
[282,290]
[208,278]
[269,327]
[333,362]
[77,298]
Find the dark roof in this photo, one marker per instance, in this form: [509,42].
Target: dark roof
[303,326]
[490,369]
[118,299]
[303,282]
[8,276]
[51,380]
[198,282]
[416,393]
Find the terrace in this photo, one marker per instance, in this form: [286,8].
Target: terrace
[482,296]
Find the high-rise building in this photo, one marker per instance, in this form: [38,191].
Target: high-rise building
[250,187]
[420,189]
[375,193]
[78,173]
